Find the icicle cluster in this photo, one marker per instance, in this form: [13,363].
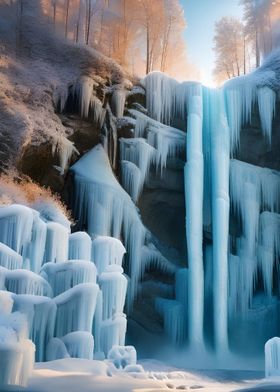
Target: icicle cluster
[241,95]
[74,307]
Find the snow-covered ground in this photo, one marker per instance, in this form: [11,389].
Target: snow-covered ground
[81,375]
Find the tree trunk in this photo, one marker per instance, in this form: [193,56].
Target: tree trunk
[66,17]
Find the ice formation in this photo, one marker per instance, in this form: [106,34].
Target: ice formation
[194,219]
[64,276]
[9,258]
[75,309]
[16,350]
[122,356]
[104,208]
[79,246]
[226,275]
[241,94]
[272,361]
[71,287]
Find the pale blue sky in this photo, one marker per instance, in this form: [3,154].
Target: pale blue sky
[201,16]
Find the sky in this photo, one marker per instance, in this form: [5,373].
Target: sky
[201,16]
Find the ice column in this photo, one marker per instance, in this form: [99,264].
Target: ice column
[220,216]
[194,219]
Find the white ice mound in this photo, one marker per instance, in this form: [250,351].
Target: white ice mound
[64,276]
[16,351]
[272,357]
[122,356]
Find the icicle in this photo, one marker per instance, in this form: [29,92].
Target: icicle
[83,88]
[75,309]
[266,182]
[26,282]
[140,153]
[79,246]
[64,276]
[272,357]
[194,220]
[269,249]
[174,319]
[113,285]
[266,103]
[65,149]
[38,242]
[152,258]
[168,142]
[40,313]
[167,99]
[240,96]
[56,243]
[118,101]
[131,179]
[9,258]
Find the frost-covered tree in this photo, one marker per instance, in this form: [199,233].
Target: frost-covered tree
[262,24]
[230,48]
